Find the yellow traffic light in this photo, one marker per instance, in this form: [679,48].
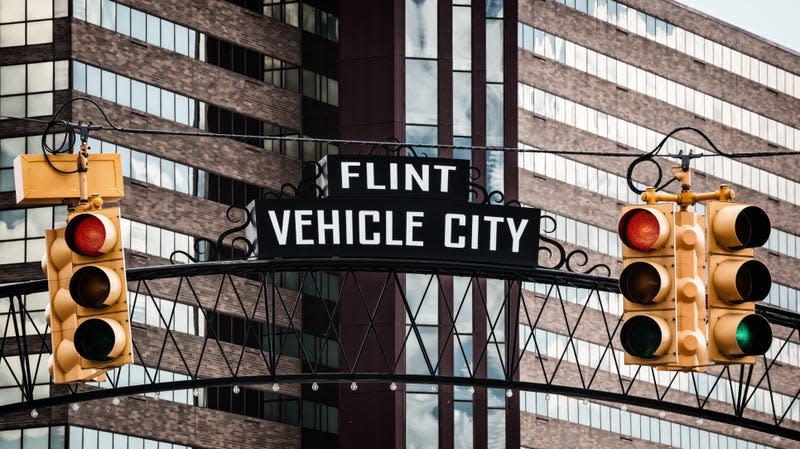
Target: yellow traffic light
[646,283]
[88,307]
[736,281]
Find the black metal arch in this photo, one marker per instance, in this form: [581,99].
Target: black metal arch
[525,364]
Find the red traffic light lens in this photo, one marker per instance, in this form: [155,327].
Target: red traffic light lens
[89,234]
[640,229]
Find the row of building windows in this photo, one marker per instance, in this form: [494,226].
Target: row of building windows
[583,234]
[34,77]
[159,242]
[10,148]
[165,313]
[22,232]
[83,438]
[79,438]
[275,407]
[320,88]
[638,137]
[11,376]
[577,174]
[628,424]
[138,25]
[318,350]
[129,375]
[179,177]
[154,170]
[549,344]
[653,85]
[135,94]
[26,90]
[29,22]
[684,41]
[187,41]
[189,111]
[315,20]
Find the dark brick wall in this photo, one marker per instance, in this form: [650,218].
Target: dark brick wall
[229,22]
[222,156]
[183,424]
[191,77]
[644,110]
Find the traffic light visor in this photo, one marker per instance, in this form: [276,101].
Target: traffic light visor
[90,234]
[738,227]
[645,336]
[643,229]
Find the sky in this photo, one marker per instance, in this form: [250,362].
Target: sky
[775,20]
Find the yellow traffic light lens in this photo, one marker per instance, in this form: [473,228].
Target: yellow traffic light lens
[642,336]
[753,281]
[752,227]
[91,287]
[643,283]
[96,339]
[90,235]
[753,335]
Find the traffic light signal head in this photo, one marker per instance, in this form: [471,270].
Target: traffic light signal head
[736,282]
[88,307]
[646,283]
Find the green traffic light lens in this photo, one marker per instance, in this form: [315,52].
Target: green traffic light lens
[94,340]
[641,336]
[754,335]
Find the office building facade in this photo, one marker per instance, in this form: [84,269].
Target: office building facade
[582,75]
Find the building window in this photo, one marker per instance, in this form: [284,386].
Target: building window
[322,417]
[22,232]
[281,74]
[321,23]
[285,11]
[26,90]
[29,22]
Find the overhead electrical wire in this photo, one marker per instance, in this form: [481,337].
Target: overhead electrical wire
[69,129]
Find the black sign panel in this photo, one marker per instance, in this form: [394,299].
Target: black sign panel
[350,176]
[395,228]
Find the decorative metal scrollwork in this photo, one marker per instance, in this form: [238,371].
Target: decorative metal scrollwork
[239,247]
[563,258]
[307,188]
[480,194]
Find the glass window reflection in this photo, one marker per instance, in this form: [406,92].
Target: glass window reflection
[421,28]
[421,107]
